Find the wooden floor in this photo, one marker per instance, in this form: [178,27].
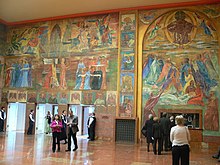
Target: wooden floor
[20,149]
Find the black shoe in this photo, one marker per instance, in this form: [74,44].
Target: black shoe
[215,156]
[58,150]
[68,150]
[75,148]
[159,153]
[53,151]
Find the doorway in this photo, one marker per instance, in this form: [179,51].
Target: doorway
[16,117]
[83,114]
[41,112]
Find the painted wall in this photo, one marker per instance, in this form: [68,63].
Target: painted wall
[3,32]
[70,61]
[93,60]
[180,62]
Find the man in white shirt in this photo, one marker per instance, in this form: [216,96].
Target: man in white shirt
[91,126]
[2,118]
[31,122]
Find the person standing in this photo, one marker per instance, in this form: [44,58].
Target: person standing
[157,135]
[2,118]
[63,130]
[31,122]
[72,128]
[172,124]
[48,118]
[91,126]
[180,138]
[56,126]
[149,135]
[165,124]
[89,136]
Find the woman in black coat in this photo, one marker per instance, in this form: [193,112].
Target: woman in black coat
[63,129]
[149,135]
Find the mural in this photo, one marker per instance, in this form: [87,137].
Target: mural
[180,63]
[127,60]
[64,38]
[126,105]
[41,98]
[75,97]
[3,32]
[111,98]
[12,96]
[99,99]
[18,73]
[72,54]
[77,61]
[31,97]
[52,98]
[4,97]
[22,96]
[87,98]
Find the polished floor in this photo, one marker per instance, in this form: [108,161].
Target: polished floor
[20,149]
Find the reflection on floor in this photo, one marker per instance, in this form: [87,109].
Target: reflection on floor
[20,149]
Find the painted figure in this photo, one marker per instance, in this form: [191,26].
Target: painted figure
[211,118]
[150,104]
[24,74]
[180,28]
[63,69]
[198,98]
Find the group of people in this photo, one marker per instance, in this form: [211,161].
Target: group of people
[168,134]
[65,128]
[60,125]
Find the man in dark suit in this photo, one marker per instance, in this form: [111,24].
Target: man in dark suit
[165,124]
[91,126]
[157,135]
[2,119]
[31,122]
[88,126]
[72,129]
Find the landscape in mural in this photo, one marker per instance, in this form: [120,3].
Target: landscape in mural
[75,54]
[180,62]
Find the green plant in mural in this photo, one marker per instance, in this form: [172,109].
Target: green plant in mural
[15,43]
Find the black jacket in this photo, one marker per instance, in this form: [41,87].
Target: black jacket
[165,124]
[157,130]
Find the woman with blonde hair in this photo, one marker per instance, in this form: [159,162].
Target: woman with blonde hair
[180,137]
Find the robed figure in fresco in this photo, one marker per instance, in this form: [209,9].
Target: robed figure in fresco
[180,28]
[211,118]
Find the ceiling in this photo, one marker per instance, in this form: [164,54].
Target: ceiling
[23,10]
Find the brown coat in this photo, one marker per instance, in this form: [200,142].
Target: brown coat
[74,124]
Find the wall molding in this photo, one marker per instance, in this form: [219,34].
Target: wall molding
[158,6]
[211,139]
